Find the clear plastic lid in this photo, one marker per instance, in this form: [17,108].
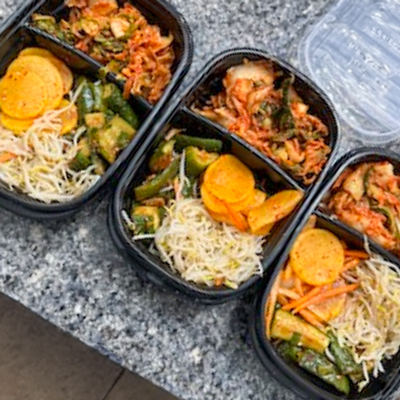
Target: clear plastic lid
[353,54]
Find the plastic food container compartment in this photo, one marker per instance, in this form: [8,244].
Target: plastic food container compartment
[151,265]
[291,375]
[209,82]
[18,34]
[353,54]
[350,159]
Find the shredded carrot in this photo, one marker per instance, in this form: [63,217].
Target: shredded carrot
[298,286]
[271,306]
[311,318]
[351,264]
[237,218]
[282,300]
[357,254]
[219,282]
[288,293]
[326,295]
[4,157]
[288,273]
[299,302]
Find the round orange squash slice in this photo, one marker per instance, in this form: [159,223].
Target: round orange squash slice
[229,179]
[317,257]
[42,67]
[275,208]
[23,94]
[211,202]
[66,74]
[15,125]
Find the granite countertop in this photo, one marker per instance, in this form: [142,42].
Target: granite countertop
[71,274]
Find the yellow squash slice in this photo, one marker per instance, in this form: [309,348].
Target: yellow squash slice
[211,202]
[258,198]
[23,94]
[229,179]
[66,74]
[42,67]
[219,217]
[273,209]
[15,125]
[317,257]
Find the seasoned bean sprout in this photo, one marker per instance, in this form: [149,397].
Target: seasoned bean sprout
[370,321]
[203,250]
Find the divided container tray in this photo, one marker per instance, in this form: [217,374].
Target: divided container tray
[17,34]
[295,378]
[151,265]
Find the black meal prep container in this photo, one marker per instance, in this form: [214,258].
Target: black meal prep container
[209,82]
[291,375]
[137,253]
[17,34]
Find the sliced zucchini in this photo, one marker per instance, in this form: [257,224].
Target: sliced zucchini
[115,101]
[183,141]
[120,124]
[152,188]
[97,92]
[95,120]
[162,157]
[114,138]
[146,219]
[285,325]
[85,100]
[198,160]
[82,159]
[100,166]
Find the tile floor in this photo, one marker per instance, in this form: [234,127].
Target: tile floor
[40,362]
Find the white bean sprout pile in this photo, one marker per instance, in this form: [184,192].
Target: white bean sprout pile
[370,321]
[205,251]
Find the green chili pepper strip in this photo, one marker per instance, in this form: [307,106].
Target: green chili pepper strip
[316,364]
[283,117]
[319,365]
[211,145]
[85,100]
[150,189]
[97,92]
[343,358]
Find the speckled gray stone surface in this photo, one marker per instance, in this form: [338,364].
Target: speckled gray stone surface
[71,274]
